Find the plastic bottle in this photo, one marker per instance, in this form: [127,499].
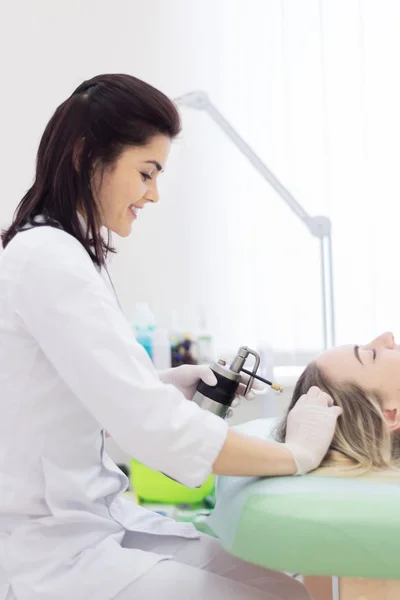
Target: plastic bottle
[144,323]
[175,334]
[204,341]
[161,350]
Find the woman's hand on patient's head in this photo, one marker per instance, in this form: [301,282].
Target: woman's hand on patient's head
[363,436]
[310,428]
[317,397]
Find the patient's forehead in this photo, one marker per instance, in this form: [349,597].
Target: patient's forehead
[339,362]
[339,352]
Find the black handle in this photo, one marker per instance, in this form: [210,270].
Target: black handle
[223,392]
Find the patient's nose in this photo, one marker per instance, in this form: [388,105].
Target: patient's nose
[385,340]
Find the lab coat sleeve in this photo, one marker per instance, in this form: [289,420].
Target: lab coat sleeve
[74,317]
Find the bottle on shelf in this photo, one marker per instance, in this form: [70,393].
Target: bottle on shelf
[144,324]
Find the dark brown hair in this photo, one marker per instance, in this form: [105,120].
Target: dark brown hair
[92,127]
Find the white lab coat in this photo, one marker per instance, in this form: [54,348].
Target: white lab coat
[70,368]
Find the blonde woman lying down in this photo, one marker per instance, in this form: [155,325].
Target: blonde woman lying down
[365,382]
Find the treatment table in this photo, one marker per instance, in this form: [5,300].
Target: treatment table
[341,533]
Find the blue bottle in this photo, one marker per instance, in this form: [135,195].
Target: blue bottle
[144,324]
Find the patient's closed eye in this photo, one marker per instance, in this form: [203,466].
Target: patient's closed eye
[371,352]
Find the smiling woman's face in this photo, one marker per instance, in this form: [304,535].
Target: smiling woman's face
[375,367]
[124,188]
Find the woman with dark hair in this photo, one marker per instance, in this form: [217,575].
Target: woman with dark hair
[70,368]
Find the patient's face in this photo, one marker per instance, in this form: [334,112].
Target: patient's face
[374,367]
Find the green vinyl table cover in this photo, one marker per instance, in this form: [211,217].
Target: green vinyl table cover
[311,525]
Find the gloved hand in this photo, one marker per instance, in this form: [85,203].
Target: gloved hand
[186,378]
[310,428]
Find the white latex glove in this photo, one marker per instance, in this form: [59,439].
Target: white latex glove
[186,378]
[310,428]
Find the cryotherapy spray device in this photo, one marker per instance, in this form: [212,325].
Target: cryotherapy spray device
[219,398]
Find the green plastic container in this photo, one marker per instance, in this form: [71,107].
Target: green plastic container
[152,486]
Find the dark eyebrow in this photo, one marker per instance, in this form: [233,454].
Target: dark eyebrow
[357,354]
[155,163]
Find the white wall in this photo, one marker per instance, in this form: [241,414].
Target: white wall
[312,85]
[177,257]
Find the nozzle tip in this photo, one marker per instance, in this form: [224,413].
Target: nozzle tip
[277,387]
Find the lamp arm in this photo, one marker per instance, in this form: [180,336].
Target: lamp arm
[318,226]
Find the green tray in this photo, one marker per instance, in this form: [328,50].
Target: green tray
[152,486]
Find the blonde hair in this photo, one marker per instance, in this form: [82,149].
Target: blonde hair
[362,441]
